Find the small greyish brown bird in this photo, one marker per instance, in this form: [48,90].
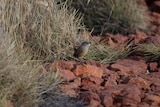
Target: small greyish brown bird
[81,50]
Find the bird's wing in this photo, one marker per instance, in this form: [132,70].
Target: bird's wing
[78,52]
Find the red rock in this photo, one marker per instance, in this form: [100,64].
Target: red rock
[154,105]
[110,78]
[155,18]
[67,75]
[69,92]
[113,77]
[131,96]
[110,83]
[124,94]
[92,62]
[156,15]
[67,65]
[104,39]
[140,82]
[152,99]
[146,77]
[92,88]
[111,42]
[92,84]
[156,87]
[130,105]
[128,66]
[143,104]
[152,79]
[95,63]
[140,36]
[154,75]
[107,100]
[88,70]
[120,39]
[92,99]
[69,89]
[91,80]
[153,66]
[63,68]
[77,81]
[108,72]
[157,93]
[154,40]
[115,41]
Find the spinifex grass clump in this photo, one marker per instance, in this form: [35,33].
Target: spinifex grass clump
[20,81]
[106,54]
[149,51]
[44,27]
[113,16]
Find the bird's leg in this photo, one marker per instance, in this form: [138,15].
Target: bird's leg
[82,60]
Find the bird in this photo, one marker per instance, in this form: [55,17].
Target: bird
[82,50]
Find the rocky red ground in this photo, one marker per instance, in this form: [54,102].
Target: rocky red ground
[129,82]
[126,83]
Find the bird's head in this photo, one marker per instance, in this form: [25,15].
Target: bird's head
[86,43]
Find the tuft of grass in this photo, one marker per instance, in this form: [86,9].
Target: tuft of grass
[106,54]
[20,81]
[44,27]
[150,51]
[112,16]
